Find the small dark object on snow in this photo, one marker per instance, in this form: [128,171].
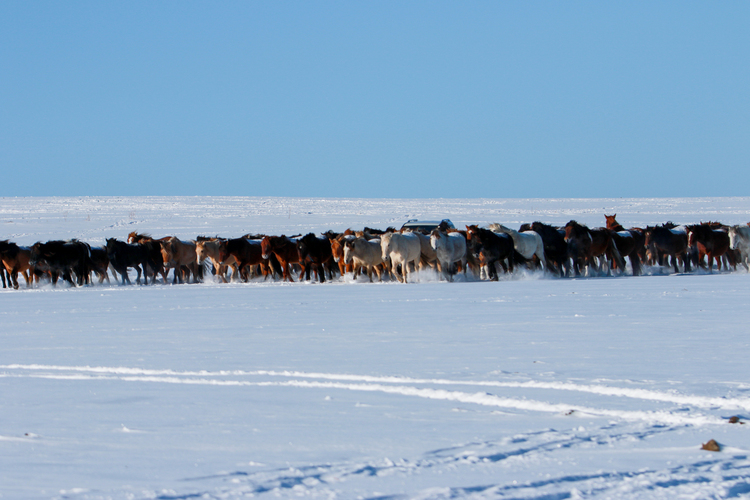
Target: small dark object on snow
[569,412]
[735,420]
[711,446]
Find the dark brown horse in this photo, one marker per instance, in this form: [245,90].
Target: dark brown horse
[586,245]
[247,253]
[316,253]
[666,240]
[154,248]
[712,242]
[490,249]
[630,242]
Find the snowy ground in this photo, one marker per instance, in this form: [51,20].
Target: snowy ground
[526,388]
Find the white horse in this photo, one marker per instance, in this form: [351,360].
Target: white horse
[364,253]
[428,258]
[401,249]
[739,239]
[528,243]
[449,248]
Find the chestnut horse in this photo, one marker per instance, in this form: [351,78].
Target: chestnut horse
[714,243]
[285,250]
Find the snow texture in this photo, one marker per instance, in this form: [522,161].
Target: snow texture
[530,387]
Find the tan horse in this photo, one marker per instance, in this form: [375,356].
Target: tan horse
[182,257]
[208,249]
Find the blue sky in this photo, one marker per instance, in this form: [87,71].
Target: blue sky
[375,99]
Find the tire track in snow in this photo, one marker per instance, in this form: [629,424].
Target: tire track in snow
[604,390]
[480,398]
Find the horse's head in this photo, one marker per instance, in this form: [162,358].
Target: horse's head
[612,222]
[36,253]
[304,245]
[200,251]
[265,247]
[691,232]
[386,244]
[348,251]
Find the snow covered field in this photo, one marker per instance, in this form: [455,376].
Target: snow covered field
[526,388]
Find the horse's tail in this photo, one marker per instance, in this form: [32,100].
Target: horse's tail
[518,258]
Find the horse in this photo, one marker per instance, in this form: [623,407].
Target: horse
[124,255]
[16,260]
[715,243]
[154,248]
[99,263]
[208,249]
[491,249]
[739,240]
[428,257]
[528,244]
[363,253]
[668,240]
[182,257]
[246,253]
[316,255]
[449,248]
[555,247]
[629,242]
[401,249]
[285,250]
[63,258]
[579,241]
[337,249]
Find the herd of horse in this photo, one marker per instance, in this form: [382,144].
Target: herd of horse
[485,252]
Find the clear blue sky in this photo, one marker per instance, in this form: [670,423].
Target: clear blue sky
[375,99]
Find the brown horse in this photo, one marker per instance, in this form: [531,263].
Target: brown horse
[15,260]
[285,250]
[586,246]
[712,242]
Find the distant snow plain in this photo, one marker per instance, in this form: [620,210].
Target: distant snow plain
[530,387]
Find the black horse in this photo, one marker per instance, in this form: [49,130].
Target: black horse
[491,248]
[316,251]
[555,247]
[124,255]
[63,258]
